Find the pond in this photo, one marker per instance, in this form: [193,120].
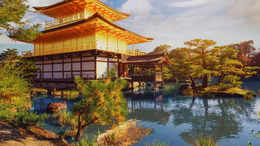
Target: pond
[177,120]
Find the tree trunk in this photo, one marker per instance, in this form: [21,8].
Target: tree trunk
[79,129]
[221,78]
[193,86]
[205,81]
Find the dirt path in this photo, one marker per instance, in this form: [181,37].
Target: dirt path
[11,136]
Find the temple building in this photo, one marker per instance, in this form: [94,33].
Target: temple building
[83,40]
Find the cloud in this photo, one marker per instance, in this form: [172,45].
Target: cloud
[248,9]
[6,40]
[37,3]
[189,3]
[206,19]
[137,7]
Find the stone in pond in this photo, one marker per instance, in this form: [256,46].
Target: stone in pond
[56,107]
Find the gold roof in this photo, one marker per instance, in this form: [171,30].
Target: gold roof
[92,24]
[68,7]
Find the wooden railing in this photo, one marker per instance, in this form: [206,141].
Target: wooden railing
[64,20]
[135,52]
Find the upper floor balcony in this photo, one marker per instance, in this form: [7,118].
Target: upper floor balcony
[66,20]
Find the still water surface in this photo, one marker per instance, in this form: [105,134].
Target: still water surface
[177,121]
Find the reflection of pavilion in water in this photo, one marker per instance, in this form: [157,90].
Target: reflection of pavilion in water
[148,110]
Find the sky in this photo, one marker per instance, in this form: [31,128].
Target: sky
[173,22]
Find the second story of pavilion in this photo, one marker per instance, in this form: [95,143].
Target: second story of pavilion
[69,11]
[80,25]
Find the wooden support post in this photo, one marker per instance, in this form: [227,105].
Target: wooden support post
[49,92]
[132,86]
[62,93]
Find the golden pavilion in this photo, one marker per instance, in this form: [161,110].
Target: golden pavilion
[83,40]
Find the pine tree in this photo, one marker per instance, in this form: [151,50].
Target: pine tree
[102,103]
[12,13]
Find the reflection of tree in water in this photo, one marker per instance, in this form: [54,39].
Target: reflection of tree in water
[221,120]
[148,110]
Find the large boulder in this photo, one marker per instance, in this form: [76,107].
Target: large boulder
[126,134]
[56,107]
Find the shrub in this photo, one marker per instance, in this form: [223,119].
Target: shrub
[85,142]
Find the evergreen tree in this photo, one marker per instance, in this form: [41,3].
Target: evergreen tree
[103,103]
[12,13]
[203,61]
[162,49]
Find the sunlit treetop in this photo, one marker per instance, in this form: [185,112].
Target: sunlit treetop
[12,13]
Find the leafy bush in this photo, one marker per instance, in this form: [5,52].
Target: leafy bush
[7,111]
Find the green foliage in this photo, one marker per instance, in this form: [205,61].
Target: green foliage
[162,49]
[171,89]
[103,100]
[180,67]
[112,73]
[15,63]
[14,89]
[102,103]
[11,11]
[15,100]
[10,113]
[249,143]
[24,33]
[227,90]
[29,118]
[202,62]
[7,111]
[202,141]
[85,142]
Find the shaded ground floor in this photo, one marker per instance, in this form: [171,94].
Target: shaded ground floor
[58,71]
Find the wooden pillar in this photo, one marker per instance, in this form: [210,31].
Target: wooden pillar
[49,92]
[118,67]
[63,60]
[95,67]
[62,93]
[81,66]
[132,85]
[51,58]
[71,69]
